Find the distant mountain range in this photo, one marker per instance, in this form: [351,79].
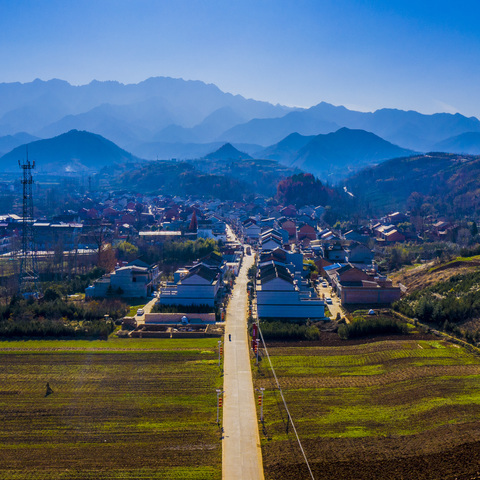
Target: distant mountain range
[410,129]
[71,152]
[157,109]
[165,117]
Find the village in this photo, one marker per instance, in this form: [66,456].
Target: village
[305,268]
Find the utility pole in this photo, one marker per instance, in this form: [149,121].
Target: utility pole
[28,282]
[219,404]
[219,352]
[260,401]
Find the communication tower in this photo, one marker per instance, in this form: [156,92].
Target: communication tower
[28,282]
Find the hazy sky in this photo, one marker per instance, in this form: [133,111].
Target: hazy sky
[422,55]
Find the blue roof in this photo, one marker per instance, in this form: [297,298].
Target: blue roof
[334,266]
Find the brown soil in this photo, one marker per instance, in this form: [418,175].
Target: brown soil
[447,453]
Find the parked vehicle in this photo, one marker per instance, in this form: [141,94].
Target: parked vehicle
[328,300]
[140,312]
[324,285]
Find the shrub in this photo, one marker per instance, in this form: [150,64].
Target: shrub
[288,331]
[375,326]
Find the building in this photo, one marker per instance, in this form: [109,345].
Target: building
[353,286]
[200,286]
[279,296]
[131,281]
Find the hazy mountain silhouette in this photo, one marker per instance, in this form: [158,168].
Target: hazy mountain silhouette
[173,111]
[9,142]
[465,143]
[206,131]
[287,149]
[227,152]
[51,107]
[269,131]
[334,155]
[74,151]
[345,149]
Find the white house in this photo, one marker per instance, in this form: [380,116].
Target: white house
[278,295]
[200,286]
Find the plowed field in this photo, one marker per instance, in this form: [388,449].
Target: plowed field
[389,409]
[120,409]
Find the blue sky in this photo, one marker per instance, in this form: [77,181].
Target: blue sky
[422,55]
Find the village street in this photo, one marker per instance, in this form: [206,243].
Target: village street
[242,456]
[335,307]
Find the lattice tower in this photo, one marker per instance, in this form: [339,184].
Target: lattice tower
[28,282]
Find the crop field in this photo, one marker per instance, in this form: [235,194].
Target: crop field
[406,409]
[120,409]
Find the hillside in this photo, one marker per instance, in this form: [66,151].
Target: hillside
[261,176]
[445,294]
[68,153]
[439,183]
[180,178]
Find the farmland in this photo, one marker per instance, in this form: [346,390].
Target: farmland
[120,409]
[392,408]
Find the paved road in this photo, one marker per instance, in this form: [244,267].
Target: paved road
[242,456]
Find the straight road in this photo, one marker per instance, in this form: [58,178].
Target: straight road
[242,455]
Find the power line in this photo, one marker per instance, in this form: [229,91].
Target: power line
[285,403]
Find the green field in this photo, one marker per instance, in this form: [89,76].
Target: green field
[120,409]
[358,396]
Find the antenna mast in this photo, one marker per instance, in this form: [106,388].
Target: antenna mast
[28,284]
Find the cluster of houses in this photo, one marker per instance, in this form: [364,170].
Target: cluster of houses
[283,285]
[284,236]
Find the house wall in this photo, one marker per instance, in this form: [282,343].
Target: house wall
[291,311]
[189,295]
[287,304]
[369,296]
